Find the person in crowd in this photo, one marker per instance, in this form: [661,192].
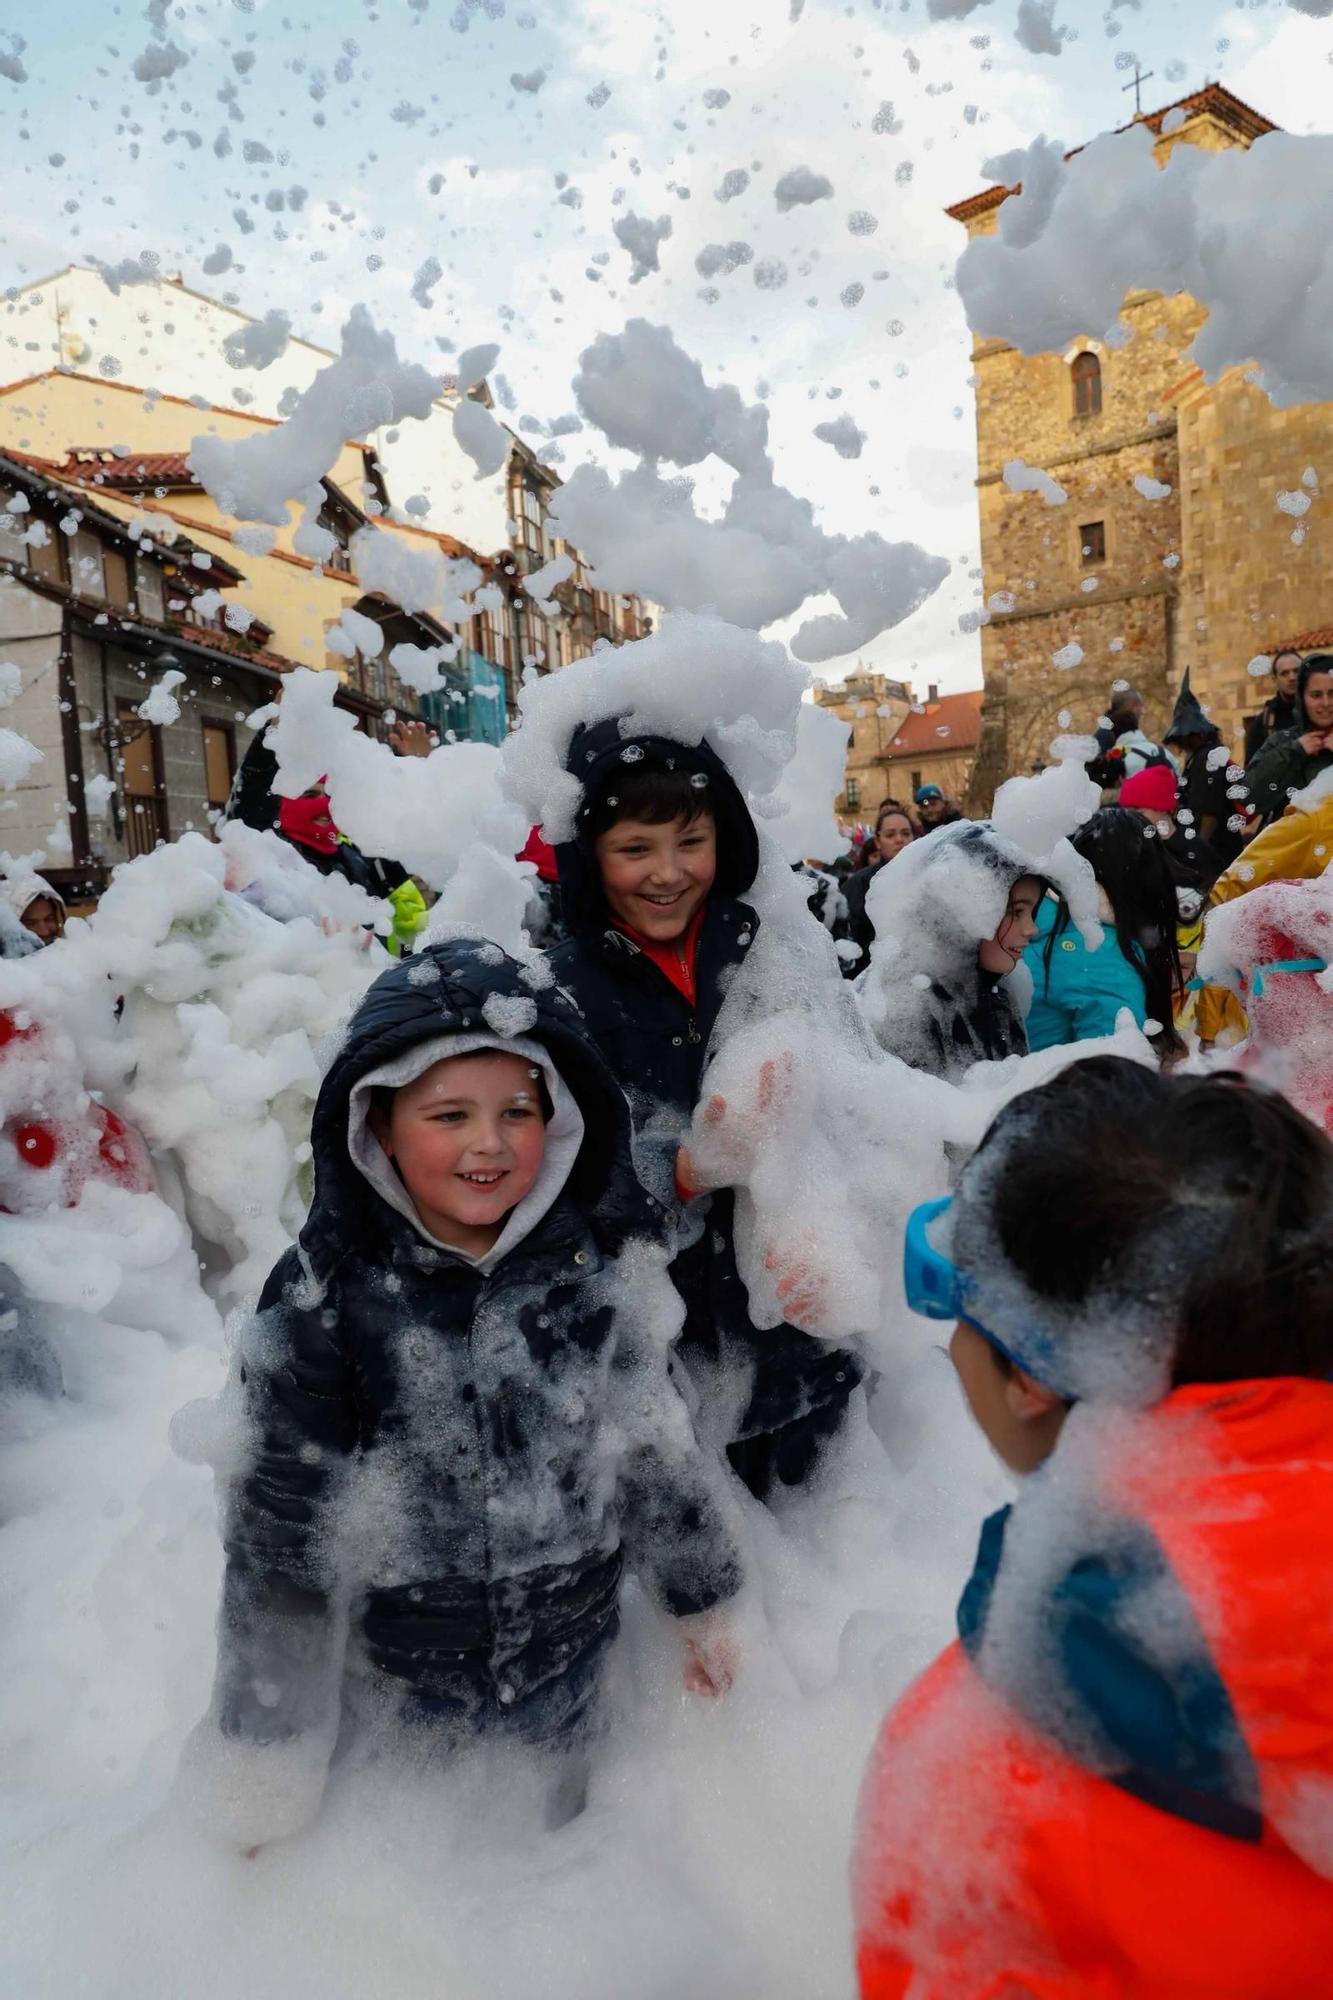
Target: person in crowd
[1206,807]
[1290,759]
[653,885]
[39,908]
[1078,993]
[1154,794]
[306,823]
[933,809]
[1281,710]
[953,915]
[895,829]
[1117,1782]
[1124,717]
[454,1346]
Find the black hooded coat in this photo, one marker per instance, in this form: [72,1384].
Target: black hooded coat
[469,1459]
[658,1047]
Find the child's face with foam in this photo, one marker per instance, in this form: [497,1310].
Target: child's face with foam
[467,1138]
[655,878]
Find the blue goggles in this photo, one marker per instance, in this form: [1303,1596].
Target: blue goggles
[935,1286]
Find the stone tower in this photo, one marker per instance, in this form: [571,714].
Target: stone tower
[1125,579]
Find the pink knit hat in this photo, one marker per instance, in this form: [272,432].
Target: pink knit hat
[1154,787]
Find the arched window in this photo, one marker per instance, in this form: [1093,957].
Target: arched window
[1087,373]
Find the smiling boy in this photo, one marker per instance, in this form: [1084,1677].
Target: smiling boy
[653,888]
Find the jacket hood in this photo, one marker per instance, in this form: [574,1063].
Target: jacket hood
[19,891]
[469,988]
[596,757]
[942,896]
[564,1136]
[1188,718]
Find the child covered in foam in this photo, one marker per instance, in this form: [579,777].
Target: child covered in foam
[460,1425]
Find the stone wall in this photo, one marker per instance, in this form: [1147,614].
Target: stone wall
[1247,584]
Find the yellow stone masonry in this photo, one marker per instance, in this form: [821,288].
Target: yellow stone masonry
[1207,576]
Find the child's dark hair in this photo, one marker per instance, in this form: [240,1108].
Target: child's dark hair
[1098,1159]
[655,793]
[892,806]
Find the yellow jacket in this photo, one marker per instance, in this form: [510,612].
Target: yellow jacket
[1294,848]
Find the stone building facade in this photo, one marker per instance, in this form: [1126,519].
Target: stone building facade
[1170,550]
[898,743]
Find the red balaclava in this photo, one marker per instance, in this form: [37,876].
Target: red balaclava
[307,821]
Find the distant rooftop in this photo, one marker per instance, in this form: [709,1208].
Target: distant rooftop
[1214,100]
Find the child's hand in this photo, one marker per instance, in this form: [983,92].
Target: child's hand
[800,1289]
[711,1655]
[733,1133]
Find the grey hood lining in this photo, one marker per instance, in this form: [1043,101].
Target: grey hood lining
[564,1137]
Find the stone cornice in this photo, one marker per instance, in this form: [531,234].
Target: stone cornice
[1150,435]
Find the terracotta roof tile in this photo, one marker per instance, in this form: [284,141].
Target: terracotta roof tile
[93,466]
[1214,97]
[951,723]
[1316,640]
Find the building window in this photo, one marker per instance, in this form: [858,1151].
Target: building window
[219,762]
[116,570]
[1087,373]
[916,783]
[140,762]
[1092,543]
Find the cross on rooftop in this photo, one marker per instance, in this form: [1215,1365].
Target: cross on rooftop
[1140,78]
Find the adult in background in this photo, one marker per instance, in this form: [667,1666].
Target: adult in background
[1206,807]
[1282,709]
[1124,717]
[933,809]
[1078,993]
[1292,758]
[306,823]
[895,829]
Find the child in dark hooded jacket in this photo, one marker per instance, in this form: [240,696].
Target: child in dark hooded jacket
[460,1416]
[951,919]
[655,939]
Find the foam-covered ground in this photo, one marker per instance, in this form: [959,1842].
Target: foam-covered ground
[713,1854]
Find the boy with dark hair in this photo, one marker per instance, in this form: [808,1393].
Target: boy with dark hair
[459,1412]
[652,888]
[1120,1781]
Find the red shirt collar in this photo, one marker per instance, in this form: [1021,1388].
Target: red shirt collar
[677,958]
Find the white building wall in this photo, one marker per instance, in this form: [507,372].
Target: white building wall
[161,336]
[30,638]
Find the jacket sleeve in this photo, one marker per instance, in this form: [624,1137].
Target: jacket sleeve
[409,916]
[1277,771]
[279,1639]
[252,799]
[672,1518]
[1285,849]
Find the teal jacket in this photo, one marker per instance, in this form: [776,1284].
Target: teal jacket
[1081,996]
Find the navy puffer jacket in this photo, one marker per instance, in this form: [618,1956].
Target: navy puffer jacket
[658,1047]
[467,1459]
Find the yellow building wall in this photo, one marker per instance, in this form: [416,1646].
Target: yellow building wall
[65,413]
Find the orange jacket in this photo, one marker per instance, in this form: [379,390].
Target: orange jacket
[1114,1794]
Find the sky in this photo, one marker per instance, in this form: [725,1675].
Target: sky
[325,150]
